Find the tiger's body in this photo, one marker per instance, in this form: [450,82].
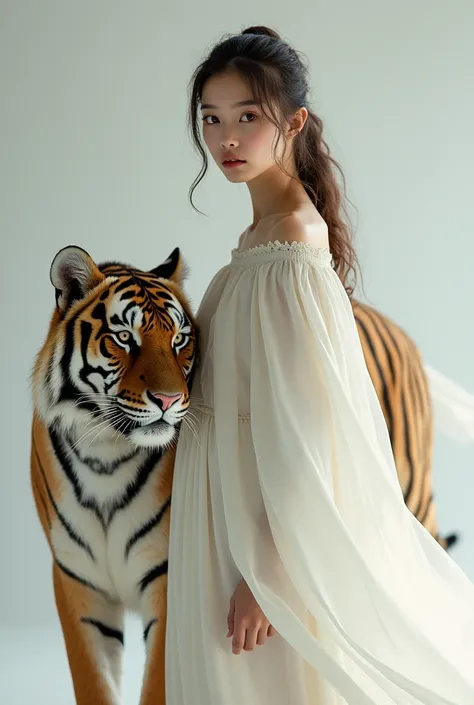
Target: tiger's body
[110,389]
[102,564]
[397,372]
[111,386]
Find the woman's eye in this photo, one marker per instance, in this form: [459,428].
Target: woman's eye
[212,119]
[124,336]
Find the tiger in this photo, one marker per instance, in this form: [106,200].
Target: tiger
[397,371]
[111,386]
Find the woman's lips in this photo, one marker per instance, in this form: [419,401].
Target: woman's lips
[231,164]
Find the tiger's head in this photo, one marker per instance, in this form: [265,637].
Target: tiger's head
[119,356]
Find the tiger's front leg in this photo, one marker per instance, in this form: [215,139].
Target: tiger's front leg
[93,632]
[154,625]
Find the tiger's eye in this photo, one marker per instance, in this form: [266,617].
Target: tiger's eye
[124,336]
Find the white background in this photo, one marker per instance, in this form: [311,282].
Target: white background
[94,152]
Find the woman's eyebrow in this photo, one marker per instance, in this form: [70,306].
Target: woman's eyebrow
[240,104]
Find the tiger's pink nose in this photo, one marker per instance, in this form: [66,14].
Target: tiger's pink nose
[165,400]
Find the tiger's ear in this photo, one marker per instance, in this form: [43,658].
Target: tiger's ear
[73,274]
[172,268]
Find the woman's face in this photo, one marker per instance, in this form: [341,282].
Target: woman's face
[235,128]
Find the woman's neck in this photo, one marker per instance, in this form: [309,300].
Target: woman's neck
[275,192]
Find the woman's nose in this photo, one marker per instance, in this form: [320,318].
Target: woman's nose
[229,142]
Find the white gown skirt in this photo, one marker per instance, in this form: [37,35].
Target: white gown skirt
[201,668]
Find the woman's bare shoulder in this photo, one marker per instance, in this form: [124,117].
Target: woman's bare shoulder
[301,226]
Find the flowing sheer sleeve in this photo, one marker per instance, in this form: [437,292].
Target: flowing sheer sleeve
[315,516]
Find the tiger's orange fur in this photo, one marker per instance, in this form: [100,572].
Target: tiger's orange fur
[111,386]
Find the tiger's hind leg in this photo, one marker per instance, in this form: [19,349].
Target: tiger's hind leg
[93,632]
[154,625]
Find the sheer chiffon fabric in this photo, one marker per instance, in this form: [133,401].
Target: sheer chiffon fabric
[285,477]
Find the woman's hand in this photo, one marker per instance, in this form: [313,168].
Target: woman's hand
[247,624]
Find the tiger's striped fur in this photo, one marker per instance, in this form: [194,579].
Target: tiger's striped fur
[111,385]
[396,369]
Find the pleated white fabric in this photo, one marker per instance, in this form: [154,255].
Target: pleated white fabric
[287,479]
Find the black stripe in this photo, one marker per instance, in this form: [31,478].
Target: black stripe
[131,305]
[97,466]
[81,580]
[43,502]
[128,295]
[66,465]
[71,532]
[424,406]
[116,321]
[407,433]
[108,385]
[386,398]
[129,281]
[49,378]
[415,383]
[147,629]
[146,527]
[379,324]
[423,469]
[86,335]
[105,352]
[68,390]
[162,295]
[99,313]
[152,575]
[104,629]
[135,486]
[429,503]
[112,266]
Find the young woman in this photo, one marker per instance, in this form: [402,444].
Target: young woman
[288,520]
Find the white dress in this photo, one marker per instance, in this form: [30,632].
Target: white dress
[287,478]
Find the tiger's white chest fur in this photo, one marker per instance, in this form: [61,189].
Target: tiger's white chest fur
[109,527]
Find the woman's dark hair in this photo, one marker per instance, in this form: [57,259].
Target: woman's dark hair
[277,76]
